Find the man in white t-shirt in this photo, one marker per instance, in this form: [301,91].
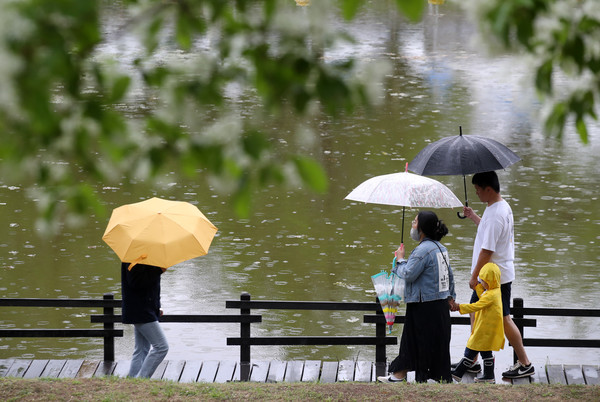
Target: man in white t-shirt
[494,242]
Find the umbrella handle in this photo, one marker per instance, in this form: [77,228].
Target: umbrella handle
[466,198]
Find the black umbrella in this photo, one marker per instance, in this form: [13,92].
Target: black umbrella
[462,155]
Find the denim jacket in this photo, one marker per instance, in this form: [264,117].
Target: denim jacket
[427,273]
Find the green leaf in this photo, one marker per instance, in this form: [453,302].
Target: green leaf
[242,199]
[269,8]
[255,143]
[350,8]
[151,37]
[84,199]
[183,32]
[270,174]
[555,122]
[543,78]
[582,130]
[413,9]
[119,88]
[333,92]
[311,173]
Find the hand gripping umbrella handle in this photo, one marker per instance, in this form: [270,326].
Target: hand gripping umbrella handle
[458,213]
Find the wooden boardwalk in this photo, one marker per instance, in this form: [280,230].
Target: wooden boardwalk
[212,371]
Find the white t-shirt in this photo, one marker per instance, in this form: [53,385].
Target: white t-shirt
[495,232]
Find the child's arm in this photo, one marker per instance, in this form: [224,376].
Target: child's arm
[479,289]
[484,301]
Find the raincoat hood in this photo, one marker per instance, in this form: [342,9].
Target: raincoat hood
[490,273]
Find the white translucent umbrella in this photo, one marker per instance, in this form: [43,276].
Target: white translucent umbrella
[405,190]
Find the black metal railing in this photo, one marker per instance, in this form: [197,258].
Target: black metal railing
[518,311]
[108,318]
[109,333]
[245,341]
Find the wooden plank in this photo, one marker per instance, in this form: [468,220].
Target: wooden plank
[160,371]
[259,371]
[228,371]
[521,381]
[53,368]
[209,371]
[122,368]
[237,373]
[346,371]
[556,374]
[362,371]
[329,372]
[190,371]
[105,368]
[263,371]
[35,369]
[70,369]
[312,369]
[88,368]
[276,371]
[468,378]
[574,374]
[5,366]
[173,370]
[540,375]
[294,371]
[591,374]
[18,368]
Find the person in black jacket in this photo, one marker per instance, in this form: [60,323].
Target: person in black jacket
[141,307]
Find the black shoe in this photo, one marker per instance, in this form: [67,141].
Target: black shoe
[461,368]
[474,369]
[488,372]
[519,370]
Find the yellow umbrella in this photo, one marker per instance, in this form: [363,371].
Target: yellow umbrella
[158,232]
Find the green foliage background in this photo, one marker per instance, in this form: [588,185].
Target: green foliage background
[65,113]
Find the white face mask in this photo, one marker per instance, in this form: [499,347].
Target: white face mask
[414,234]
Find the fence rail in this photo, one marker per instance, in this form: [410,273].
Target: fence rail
[107,303]
[518,311]
[245,341]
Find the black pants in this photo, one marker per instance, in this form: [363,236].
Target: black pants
[425,344]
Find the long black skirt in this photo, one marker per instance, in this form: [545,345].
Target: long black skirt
[425,344]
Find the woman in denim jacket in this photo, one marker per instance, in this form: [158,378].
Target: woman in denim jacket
[429,294]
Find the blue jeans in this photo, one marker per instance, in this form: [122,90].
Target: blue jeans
[145,361]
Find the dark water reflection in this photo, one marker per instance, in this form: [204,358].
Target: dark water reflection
[302,246]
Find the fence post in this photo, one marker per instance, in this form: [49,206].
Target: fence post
[109,341]
[518,303]
[245,344]
[380,352]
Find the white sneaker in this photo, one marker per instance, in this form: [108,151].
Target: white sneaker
[390,378]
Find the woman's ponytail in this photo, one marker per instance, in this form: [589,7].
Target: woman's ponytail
[429,224]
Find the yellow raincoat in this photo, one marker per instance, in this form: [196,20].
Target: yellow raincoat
[488,327]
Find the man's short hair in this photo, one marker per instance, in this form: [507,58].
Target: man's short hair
[487,179]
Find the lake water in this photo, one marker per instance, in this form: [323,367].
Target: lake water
[301,246]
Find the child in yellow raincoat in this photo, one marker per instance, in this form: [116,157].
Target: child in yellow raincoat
[488,329]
